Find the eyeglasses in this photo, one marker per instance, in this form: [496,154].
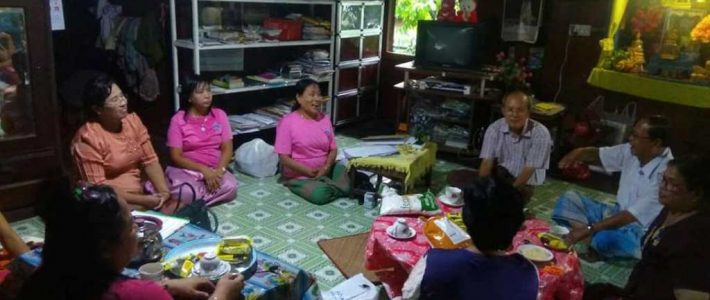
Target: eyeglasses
[635,136]
[115,100]
[669,185]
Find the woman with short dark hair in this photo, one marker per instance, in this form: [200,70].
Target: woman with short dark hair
[493,214]
[675,262]
[89,238]
[113,147]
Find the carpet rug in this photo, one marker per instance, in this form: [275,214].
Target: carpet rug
[287,227]
[348,255]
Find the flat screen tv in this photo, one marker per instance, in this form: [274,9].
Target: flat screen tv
[449,45]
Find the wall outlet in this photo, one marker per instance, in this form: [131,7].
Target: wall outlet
[580,30]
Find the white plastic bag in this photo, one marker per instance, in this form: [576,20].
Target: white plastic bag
[257,158]
[417,204]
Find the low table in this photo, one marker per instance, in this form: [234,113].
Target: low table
[406,168]
[393,259]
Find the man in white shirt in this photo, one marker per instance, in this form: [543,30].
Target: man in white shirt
[616,230]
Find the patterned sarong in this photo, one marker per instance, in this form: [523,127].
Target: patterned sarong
[324,189]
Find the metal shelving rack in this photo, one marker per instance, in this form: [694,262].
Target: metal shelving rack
[359,23]
[196,47]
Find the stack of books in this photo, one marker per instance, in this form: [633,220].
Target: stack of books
[228,82]
[268,78]
[316,63]
[262,118]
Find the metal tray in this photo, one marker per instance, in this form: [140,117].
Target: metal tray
[247,268]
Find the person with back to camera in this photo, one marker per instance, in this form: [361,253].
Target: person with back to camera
[113,147]
[305,143]
[90,237]
[616,229]
[200,142]
[493,214]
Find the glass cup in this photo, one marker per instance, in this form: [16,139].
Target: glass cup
[151,271]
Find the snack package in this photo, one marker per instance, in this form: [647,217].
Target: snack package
[457,219]
[553,242]
[417,204]
[235,249]
[444,234]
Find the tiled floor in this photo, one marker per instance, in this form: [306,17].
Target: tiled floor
[288,227]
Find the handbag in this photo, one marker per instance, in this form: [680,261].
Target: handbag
[196,211]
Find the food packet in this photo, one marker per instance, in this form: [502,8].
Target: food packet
[444,234]
[553,242]
[417,204]
[235,249]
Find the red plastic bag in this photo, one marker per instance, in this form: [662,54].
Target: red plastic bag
[290,29]
[578,170]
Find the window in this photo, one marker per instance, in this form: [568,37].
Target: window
[406,15]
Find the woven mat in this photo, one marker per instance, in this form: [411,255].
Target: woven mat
[348,255]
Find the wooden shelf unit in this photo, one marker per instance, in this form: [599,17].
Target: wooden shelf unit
[480,96]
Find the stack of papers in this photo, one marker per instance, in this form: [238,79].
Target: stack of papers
[268,78]
[367,151]
[355,288]
[388,140]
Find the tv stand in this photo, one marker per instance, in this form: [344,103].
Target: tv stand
[466,86]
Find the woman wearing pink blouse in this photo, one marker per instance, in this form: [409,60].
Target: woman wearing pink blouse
[305,143]
[200,142]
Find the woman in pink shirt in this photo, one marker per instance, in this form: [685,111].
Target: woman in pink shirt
[200,142]
[113,147]
[305,143]
[90,238]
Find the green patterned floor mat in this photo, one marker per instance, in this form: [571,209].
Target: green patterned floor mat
[288,227]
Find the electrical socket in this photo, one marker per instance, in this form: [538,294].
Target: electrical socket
[580,30]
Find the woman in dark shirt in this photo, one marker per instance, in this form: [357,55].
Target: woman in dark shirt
[676,249]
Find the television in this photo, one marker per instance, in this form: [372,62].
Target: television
[449,45]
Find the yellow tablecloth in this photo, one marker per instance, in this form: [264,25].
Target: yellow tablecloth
[415,165]
[650,88]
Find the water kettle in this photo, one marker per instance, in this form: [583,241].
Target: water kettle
[150,243]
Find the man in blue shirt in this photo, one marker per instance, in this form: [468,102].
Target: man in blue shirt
[616,229]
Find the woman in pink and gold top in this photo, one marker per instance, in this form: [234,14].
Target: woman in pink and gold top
[113,147]
[200,142]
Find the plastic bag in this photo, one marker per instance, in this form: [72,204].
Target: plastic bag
[257,158]
[417,204]
[443,233]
